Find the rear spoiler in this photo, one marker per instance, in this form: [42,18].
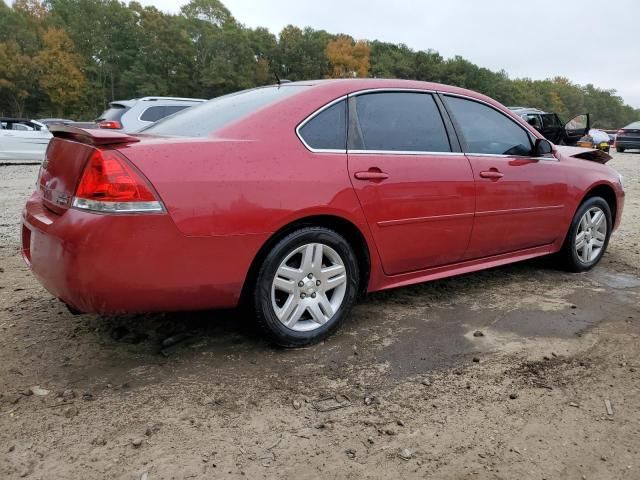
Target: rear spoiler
[96,136]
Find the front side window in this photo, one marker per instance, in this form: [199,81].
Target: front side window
[328,129]
[396,121]
[487,131]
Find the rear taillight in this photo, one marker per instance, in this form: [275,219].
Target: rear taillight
[113,124]
[619,132]
[110,184]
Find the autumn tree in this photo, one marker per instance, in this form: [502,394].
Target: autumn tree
[58,70]
[75,56]
[348,58]
[17,77]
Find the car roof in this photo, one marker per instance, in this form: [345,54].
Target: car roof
[133,101]
[525,110]
[344,86]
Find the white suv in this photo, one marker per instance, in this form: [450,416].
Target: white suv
[133,115]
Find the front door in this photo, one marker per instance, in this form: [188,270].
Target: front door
[519,198]
[417,195]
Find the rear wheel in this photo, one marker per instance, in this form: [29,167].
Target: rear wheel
[620,149]
[306,287]
[588,235]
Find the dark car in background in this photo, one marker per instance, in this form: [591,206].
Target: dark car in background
[553,129]
[628,137]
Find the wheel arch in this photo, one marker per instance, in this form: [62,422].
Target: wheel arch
[607,192]
[340,225]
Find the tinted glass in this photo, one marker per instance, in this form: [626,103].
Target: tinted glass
[208,117]
[114,112]
[396,121]
[153,114]
[550,120]
[488,131]
[171,109]
[328,129]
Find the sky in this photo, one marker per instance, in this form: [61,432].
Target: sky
[587,41]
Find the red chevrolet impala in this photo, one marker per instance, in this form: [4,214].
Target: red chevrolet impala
[295,198]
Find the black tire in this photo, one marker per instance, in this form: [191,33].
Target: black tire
[619,149]
[266,317]
[568,253]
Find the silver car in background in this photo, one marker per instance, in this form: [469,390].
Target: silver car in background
[133,115]
[22,140]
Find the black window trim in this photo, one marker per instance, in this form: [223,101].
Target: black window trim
[532,137]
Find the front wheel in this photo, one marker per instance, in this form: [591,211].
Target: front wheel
[619,149]
[306,287]
[588,235]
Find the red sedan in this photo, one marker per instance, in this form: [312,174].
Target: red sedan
[298,197]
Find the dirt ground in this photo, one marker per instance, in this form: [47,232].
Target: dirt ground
[503,374]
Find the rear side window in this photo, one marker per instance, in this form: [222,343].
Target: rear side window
[487,131]
[153,114]
[207,118]
[328,129]
[396,121]
[550,120]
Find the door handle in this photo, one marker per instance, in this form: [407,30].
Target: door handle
[493,174]
[371,174]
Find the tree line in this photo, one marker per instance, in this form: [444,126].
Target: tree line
[72,57]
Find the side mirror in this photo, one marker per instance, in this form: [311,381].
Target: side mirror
[542,147]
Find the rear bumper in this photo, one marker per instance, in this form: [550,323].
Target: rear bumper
[132,263]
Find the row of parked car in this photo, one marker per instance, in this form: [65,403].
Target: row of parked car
[25,139]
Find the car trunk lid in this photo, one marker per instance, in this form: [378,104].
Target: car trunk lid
[65,159]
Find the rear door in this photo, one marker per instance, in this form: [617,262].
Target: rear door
[519,198]
[415,186]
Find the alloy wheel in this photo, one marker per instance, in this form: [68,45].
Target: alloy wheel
[309,287]
[591,235]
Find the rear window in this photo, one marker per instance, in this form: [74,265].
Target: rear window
[114,112]
[207,118]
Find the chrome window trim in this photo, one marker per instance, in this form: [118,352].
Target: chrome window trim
[522,124]
[311,117]
[496,155]
[400,152]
